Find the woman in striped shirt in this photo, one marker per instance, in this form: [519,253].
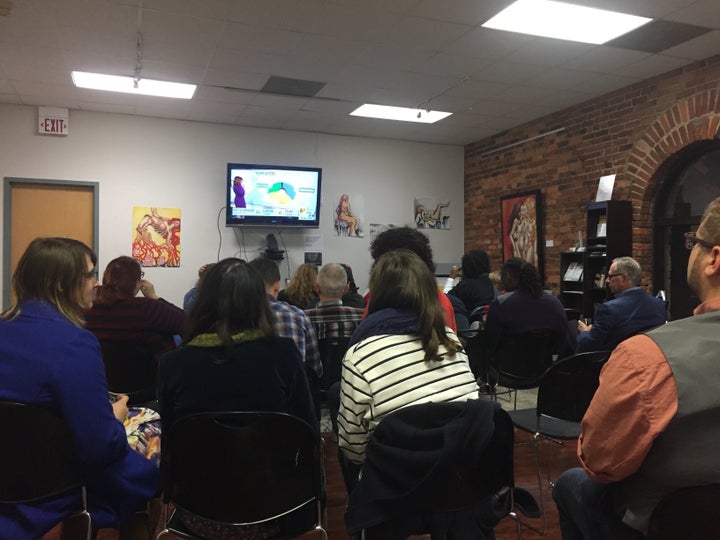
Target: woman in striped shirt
[401,354]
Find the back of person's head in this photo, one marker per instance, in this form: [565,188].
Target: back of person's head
[202,272]
[403,238]
[353,288]
[519,274]
[120,280]
[401,280]
[231,299]
[268,270]
[53,270]
[301,288]
[475,263]
[711,223]
[332,280]
[631,268]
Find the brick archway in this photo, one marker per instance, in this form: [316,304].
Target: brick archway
[696,118]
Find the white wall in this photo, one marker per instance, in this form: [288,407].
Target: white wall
[140,161]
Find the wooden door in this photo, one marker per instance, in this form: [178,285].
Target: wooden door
[45,208]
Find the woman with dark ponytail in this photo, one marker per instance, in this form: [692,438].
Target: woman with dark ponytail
[525,306]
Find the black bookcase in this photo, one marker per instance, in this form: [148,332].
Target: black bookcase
[608,235]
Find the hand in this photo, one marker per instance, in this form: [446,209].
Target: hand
[120,408]
[582,327]
[454,272]
[148,289]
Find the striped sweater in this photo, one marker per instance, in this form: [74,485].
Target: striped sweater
[384,373]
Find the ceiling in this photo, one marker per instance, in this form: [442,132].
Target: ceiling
[413,53]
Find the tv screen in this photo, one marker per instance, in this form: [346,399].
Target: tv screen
[272,196]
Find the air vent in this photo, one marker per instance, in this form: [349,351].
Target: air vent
[657,36]
[292,87]
[5,7]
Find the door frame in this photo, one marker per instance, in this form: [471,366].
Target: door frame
[9,183]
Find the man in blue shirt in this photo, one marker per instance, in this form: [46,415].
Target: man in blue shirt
[631,311]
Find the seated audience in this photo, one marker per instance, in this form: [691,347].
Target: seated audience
[402,354]
[118,315]
[232,359]
[300,292]
[630,312]
[48,359]
[418,243]
[290,321]
[330,317]
[524,307]
[189,298]
[475,289]
[652,426]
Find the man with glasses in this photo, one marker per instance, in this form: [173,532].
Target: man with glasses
[632,310]
[654,424]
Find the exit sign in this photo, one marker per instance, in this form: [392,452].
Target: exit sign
[53,121]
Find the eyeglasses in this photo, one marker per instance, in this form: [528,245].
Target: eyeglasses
[92,274]
[142,274]
[611,276]
[691,240]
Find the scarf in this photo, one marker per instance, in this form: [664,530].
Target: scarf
[386,321]
[213,340]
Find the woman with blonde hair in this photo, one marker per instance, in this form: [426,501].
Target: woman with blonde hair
[47,359]
[300,292]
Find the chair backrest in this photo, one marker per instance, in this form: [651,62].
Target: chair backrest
[568,386]
[37,453]
[432,458]
[130,369]
[521,359]
[478,353]
[241,467]
[689,513]
[332,351]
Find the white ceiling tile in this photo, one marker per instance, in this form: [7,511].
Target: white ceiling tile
[699,48]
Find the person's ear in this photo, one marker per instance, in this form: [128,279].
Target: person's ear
[713,265]
[346,289]
[316,288]
[276,289]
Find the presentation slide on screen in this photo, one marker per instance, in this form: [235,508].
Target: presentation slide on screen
[273,192]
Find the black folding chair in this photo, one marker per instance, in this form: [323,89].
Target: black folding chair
[242,469]
[521,359]
[38,457]
[565,392]
[688,513]
[130,370]
[479,475]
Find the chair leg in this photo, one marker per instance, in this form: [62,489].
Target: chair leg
[541,531]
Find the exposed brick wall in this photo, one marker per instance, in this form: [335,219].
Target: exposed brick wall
[630,132]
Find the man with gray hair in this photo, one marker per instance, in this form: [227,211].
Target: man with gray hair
[631,311]
[330,317]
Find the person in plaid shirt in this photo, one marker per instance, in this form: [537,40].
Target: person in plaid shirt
[330,317]
[290,321]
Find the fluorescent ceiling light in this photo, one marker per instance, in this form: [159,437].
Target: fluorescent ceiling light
[403,114]
[564,21]
[148,87]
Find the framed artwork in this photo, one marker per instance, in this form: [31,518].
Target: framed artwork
[522,220]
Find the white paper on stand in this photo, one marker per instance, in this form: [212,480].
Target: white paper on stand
[605,187]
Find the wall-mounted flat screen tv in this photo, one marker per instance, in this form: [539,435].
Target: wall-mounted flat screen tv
[272,196]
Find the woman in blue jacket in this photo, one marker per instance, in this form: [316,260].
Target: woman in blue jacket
[47,359]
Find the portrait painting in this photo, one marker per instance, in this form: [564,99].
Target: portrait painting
[156,236]
[431,214]
[521,216]
[349,218]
